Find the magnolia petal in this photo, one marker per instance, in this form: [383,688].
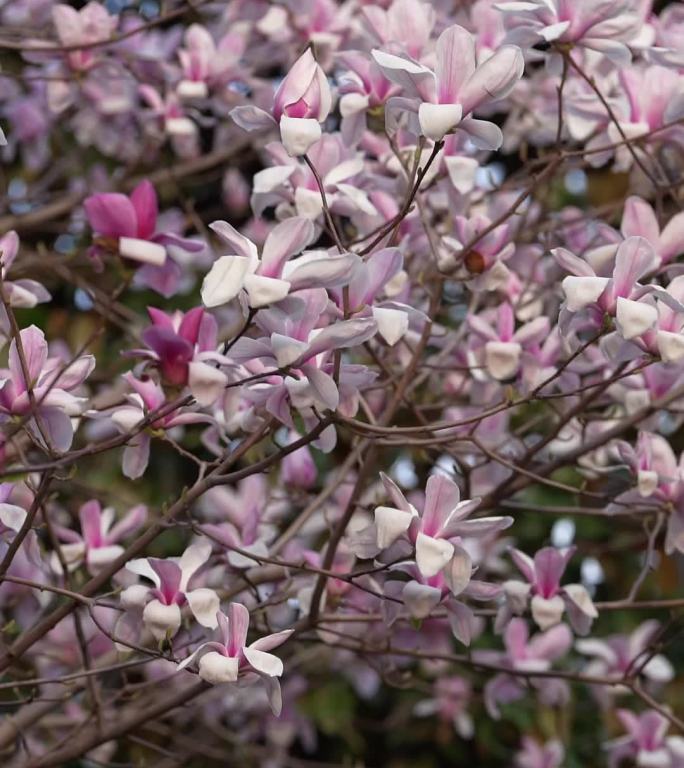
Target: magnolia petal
[391,523]
[670,346]
[264,663]
[204,603]
[161,619]
[263,291]
[420,599]
[436,120]
[634,318]
[547,612]
[298,134]
[580,292]
[12,516]
[224,280]
[458,571]
[392,324]
[502,359]
[206,382]
[143,251]
[432,554]
[215,668]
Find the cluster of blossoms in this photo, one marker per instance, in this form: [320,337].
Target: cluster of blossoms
[341,335]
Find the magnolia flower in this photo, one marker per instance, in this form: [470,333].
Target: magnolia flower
[291,186]
[436,531]
[301,103]
[536,755]
[97,544]
[147,398]
[605,26]
[659,481]
[183,346]
[24,293]
[369,279]
[450,701]
[295,359]
[204,63]
[161,605]
[646,742]
[90,24]
[549,599]
[504,345]
[443,100]
[524,653]
[128,226]
[241,513]
[616,655]
[620,296]
[639,220]
[422,594]
[269,278]
[49,386]
[230,658]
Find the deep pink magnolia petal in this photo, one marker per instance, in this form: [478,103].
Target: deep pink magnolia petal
[190,325]
[238,620]
[493,79]
[284,241]
[455,63]
[144,200]
[128,524]
[90,515]
[441,497]
[35,352]
[169,576]
[112,215]
[639,220]
[549,565]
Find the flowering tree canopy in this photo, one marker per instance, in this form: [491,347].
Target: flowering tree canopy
[342,388]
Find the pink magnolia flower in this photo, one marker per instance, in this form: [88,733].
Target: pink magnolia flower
[183,347]
[423,594]
[406,24]
[301,103]
[24,293]
[484,263]
[439,102]
[549,600]
[295,359]
[503,346]
[97,544]
[639,220]
[229,659]
[146,399]
[616,655]
[161,604]
[646,742]
[435,532]
[524,653]
[620,296]
[239,519]
[536,755]
[605,26]
[290,185]
[269,278]
[51,382]
[128,226]
[90,24]
[450,701]
[206,64]
[659,481]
